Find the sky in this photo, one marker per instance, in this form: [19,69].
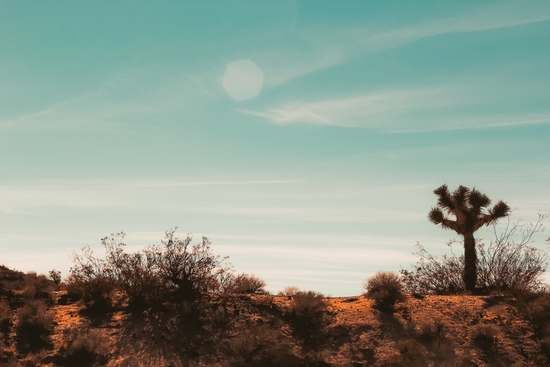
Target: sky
[304,138]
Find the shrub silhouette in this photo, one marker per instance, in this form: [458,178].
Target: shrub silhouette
[175,271]
[308,305]
[468,209]
[90,279]
[433,334]
[485,337]
[260,346]
[34,324]
[306,313]
[507,263]
[82,348]
[246,284]
[5,317]
[289,291]
[385,289]
[408,353]
[55,276]
[187,269]
[37,287]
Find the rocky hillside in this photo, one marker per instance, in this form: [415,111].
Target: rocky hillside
[296,329]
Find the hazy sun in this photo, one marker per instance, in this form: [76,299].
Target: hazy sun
[243,80]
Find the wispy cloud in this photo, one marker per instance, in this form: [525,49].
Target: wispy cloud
[329,46]
[285,64]
[482,18]
[123,98]
[368,110]
[98,193]
[401,110]
[477,122]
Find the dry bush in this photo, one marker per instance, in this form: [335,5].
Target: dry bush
[508,262]
[34,324]
[135,274]
[308,304]
[289,291]
[246,284]
[485,336]
[408,353]
[433,334]
[37,286]
[385,289]
[188,268]
[434,275]
[260,346]
[96,292]
[265,300]
[55,276]
[36,316]
[5,317]
[307,316]
[175,271]
[89,278]
[536,308]
[83,348]
[9,277]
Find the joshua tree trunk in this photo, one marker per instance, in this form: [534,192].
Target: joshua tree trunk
[470,261]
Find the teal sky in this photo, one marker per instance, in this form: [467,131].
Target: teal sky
[304,138]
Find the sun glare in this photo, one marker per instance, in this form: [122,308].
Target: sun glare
[243,80]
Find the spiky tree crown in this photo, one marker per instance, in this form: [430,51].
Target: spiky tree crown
[468,207]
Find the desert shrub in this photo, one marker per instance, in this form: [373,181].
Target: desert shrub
[36,286]
[91,280]
[535,307]
[307,315]
[484,336]
[434,275]
[7,274]
[260,346]
[432,332]
[189,269]
[35,315]
[74,290]
[135,274]
[5,317]
[385,289]
[55,276]
[34,324]
[266,300]
[289,291]
[508,262]
[246,284]
[83,348]
[408,353]
[176,270]
[433,335]
[307,303]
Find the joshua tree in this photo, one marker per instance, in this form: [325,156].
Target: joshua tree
[469,210]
